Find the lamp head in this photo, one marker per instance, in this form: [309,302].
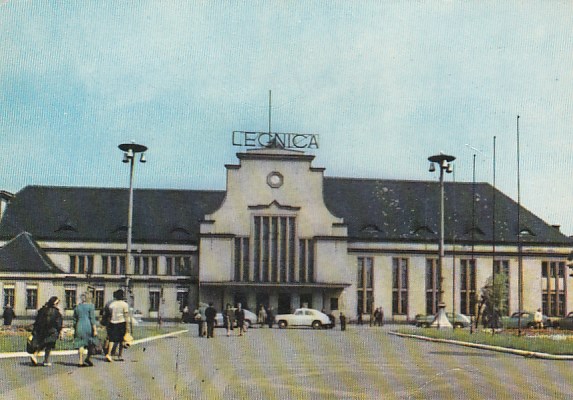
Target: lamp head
[432,167]
[449,168]
[142,159]
[125,158]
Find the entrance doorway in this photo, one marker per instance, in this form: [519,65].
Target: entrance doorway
[306,300]
[284,303]
[240,298]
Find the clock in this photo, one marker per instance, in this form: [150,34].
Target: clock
[275,179]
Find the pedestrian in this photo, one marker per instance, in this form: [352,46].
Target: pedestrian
[270,316]
[228,318]
[240,317]
[210,313]
[262,316]
[117,326]
[185,317]
[8,315]
[197,320]
[203,323]
[85,330]
[46,330]
[342,321]
[380,316]
[538,319]
[359,321]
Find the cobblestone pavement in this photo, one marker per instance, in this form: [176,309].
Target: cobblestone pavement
[360,363]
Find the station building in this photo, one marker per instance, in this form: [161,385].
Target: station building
[282,234]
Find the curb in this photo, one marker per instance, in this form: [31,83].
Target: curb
[524,353]
[72,352]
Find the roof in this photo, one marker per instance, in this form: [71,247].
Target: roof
[22,254]
[100,214]
[372,209]
[378,209]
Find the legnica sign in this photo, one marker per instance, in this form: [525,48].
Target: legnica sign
[275,140]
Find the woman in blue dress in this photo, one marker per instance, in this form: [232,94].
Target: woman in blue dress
[85,329]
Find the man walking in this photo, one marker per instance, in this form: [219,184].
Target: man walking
[240,317]
[210,314]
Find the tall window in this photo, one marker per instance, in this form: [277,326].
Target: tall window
[9,295]
[31,297]
[154,299]
[553,288]
[274,258]
[467,286]
[70,292]
[306,260]
[365,284]
[182,297]
[433,285]
[502,267]
[241,259]
[399,286]
[99,297]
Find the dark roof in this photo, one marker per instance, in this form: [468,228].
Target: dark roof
[100,214]
[22,254]
[373,209]
[409,210]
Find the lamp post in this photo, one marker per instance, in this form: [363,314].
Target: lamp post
[129,152]
[443,161]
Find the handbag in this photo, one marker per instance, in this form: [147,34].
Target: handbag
[127,340]
[32,344]
[95,346]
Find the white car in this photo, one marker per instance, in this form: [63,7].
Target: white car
[250,318]
[303,317]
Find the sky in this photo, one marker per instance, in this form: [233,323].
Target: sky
[384,85]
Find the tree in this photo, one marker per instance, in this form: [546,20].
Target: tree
[493,302]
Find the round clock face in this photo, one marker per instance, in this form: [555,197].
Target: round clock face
[275,179]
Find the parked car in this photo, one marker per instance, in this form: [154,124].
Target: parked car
[250,319]
[526,320]
[461,320]
[304,317]
[564,323]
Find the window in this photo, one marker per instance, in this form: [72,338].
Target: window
[9,295]
[333,303]
[81,264]
[154,298]
[241,259]
[31,297]
[98,297]
[306,260]
[70,292]
[274,253]
[179,265]
[467,287]
[433,285]
[400,286]
[553,288]
[502,267]
[182,297]
[114,265]
[365,284]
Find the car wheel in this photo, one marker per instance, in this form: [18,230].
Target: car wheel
[458,325]
[316,325]
[425,325]
[247,324]
[531,325]
[282,324]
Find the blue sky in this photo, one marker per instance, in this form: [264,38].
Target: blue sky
[383,84]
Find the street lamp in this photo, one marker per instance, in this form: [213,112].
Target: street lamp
[129,153]
[443,162]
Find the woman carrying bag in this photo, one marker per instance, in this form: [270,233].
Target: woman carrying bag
[85,330]
[46,330]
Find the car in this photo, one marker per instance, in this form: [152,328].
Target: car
[564,323]
[526,320]
[460,321]
[303,317]
[250,318]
